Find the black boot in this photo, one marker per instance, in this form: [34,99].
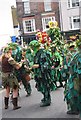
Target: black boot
[73,112]
[28,89]
[49,97]
[43,99]
[46,101]
[6,100]
[15,104]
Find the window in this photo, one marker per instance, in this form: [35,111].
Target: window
[74,22]
[73,3]
[26,7]
[47,5]
[29,25]
[46,20]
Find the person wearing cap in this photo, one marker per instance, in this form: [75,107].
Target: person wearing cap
[9,80]
[42,72]
[73,88]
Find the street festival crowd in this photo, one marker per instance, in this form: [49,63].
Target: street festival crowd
[47,60]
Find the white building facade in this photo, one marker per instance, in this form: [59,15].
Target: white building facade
[69,14]
[6,23]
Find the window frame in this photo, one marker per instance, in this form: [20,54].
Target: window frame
[69,4]
[47,5]
[43,22]
[72,22]
[27,9]
[32,26]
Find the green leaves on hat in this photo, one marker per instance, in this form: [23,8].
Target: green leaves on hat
[34,43]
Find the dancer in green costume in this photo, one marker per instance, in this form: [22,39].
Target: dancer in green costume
[66,59]
[25,71]
[21,73]
[73,88]
[56,64]
[42,72]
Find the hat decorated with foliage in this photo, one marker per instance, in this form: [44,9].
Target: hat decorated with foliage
[34,43]
[7,49]
[13,45]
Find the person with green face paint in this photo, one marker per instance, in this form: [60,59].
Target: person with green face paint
[42,72]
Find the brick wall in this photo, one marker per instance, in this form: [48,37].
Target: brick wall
[55,7]
[37,8]
[20,12]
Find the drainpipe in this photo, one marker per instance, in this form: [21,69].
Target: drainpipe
[61,19]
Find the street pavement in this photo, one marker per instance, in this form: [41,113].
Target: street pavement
[31,105]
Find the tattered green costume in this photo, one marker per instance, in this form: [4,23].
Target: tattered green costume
[56,62]
[43,75]
[64,70]
[73,88]
[57,44]
[22,72]
[29,56]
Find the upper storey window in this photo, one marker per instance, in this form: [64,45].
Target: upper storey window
[73,3]
[27,7]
